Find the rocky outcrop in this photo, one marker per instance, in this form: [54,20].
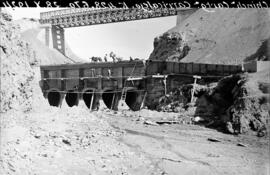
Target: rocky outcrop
[169,47]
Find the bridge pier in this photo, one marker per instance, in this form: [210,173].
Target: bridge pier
[58,37]
[47,36]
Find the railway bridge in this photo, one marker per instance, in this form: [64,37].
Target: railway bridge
[56,21]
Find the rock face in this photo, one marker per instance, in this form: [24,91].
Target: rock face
[169,47]
[250,108]
[223,36]
[239,104]
[18,80]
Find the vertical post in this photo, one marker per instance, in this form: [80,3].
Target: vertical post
[113,101]
[144,97]
[81,80]
[165,84]
[47,36]
[100,70]
[92,100]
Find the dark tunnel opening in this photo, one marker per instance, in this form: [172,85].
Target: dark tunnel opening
[108,98]
[54,98]
[131,100]
[87,97]
[72,98]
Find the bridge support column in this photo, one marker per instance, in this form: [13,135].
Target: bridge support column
[58,37]
[47,36]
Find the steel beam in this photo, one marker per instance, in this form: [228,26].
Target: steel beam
[82,17]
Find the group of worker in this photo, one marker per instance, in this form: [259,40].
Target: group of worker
[112,56]
[105,59]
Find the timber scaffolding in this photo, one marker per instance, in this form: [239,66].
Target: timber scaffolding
[129,81]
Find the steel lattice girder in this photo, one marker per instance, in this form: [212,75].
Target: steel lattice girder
[82,17]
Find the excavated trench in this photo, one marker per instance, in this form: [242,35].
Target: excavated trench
[72,98]
[87,97]
[54,98]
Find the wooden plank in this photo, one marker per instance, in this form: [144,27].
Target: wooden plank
[189,68]
[176,68]
[196,68]
[93,65]
[182,67]
[203,68]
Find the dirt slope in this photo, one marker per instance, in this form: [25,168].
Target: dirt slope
[224,36]
[32,32]
[19,83]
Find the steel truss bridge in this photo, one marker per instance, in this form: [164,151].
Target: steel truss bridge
[57,20]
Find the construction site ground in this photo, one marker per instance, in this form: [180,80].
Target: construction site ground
[77,141]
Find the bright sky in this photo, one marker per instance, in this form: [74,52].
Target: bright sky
[134,38]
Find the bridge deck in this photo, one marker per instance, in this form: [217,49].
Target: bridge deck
[87,16]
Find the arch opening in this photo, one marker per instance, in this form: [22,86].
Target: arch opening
[132,100]
[72,98]
[87,97]
[108,98]
[54,98]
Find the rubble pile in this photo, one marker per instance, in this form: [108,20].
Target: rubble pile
[236,104]
[65,141]
[179,100]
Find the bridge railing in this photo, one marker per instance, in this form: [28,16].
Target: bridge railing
[70,11]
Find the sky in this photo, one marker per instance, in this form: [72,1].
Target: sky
[125,39]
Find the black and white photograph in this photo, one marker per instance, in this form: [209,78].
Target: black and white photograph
[148,88]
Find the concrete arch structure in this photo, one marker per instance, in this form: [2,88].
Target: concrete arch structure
[134,98]
[72,98]
[110,98]
[90,100]
[55,97]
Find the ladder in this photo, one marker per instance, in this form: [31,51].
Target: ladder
[124,90]
[124,94]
